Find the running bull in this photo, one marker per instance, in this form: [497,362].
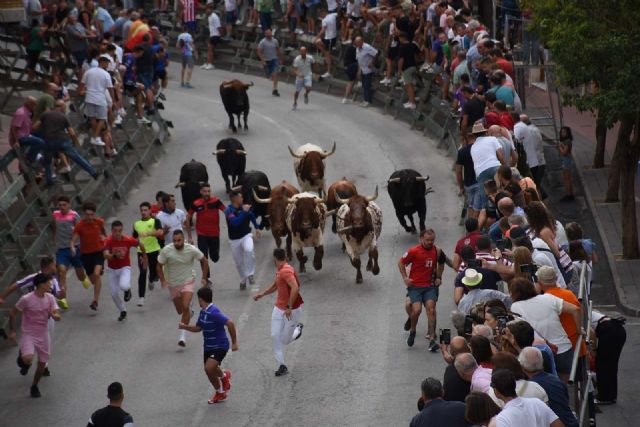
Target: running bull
[408,192]
[305,216]
[359,227]
[309,166]
[276,209]
[232,159]
[342,188]
[236,101]
[256,182]
[192,175]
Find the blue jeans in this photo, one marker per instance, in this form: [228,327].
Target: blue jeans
[65,146]
[265,20]
[485,176]
[33,145]
[367,92]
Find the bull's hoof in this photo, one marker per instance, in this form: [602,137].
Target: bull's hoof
[369,266]
[234,130]
[317,265]
[302,269]
[334,229]
[359,278]
[413,230]
[344,247]
[246,128]
[376,270]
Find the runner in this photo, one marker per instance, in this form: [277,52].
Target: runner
[180,277]
[112,414]
[211,322]
[90,232]
[207,210]
[238,216]
[64,219]
[149,231]
[285,327]
[271,57]
[303,70]
[172,218]
[423,282]
[36,308]
[116,251]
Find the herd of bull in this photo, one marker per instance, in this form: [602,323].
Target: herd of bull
[298,217]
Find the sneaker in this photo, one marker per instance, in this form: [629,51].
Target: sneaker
[162,97]
[226,380]
[86,283]
[114,152]
[46,372]
[97,141]
[252,280]
[238,22]
[282,370]
[411,339]
[299,31]
[94,306]
[211,66]
[63,303]
[251,25]
[127,295]
[306,98]
[24,368]
[345,100]
[326,75]
[205,67]
[188,86]
[407,324]
[364,104]
[65,169]
[243,286]
[346,41]
[182,343]
[275,92]
[217,397]
[152,285]
[181,84]
[358,85]
[123,315]
[141,302]
[35,391]
[144,121]
[299,327]
[117,121]
[295,107]
[409,105]
[385,81]
[122,112]
[433,346]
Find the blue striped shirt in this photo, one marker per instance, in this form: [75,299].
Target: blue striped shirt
[212,322]
[25,285]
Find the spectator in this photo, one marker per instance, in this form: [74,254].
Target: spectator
[472,111]
[522,258]
[144,70]
[230,17]
[519,334]
[519,411]
[532,364]
[535,139]
[185,44]
[35,46]
[21,122]
[466,178]
[543,226]
[271,57]
[46,101]
[350,63]
[455,387]
[77,39]
[487,155]
[327,38]
[610,337]
[365,55]
[436,411]
[214,35]
[470,239]
[480,409]
[95,84]
[524,388]
[507,66]
[468,369]
[473,280]
[503,92]
[187,11]
[511,185]
[264,8]
[540,251]
[407,67]
[565,144]
[103,20]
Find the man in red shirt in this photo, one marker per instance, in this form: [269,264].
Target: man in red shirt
[207,210]
[427,264]
[470,239]
[116,252]
[285,327]
[90,232]
[506,66]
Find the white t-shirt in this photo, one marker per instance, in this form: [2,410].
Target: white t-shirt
[524,135]
[96,80]
[230,5]
[172,220]
[561,235]
[538,143]
[353,9]
[214,25]
[332,5]
[329,24]
[524,412]
[119,53]
[543,313]
[483,153]
[304,65]
[524,388]
[542,255]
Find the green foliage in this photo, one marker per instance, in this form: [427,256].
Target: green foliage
[594,43]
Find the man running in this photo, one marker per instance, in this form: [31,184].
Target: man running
[36,308]
[423,282]
[116,251]
[207,210]
[211,322]
[177,258]
[271,57]
[112,414]
[239,216]
[149,231]
[64,219]
[172,218]
[90,232]
[303,69]
[285,327]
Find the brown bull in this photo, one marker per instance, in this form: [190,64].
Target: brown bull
[276,209]
[305,215]
[309,166]
[343,189]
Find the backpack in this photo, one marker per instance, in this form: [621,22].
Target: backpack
[522,165]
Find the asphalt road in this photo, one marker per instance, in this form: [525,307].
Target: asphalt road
[351,367]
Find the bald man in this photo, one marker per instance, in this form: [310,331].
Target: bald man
[46,102]
[21,121]
[455,387]
[303,70]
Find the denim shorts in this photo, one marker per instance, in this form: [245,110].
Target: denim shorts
[271,66]
[422,294]
[474,198]
[566,161]
[64,257]
[300,82]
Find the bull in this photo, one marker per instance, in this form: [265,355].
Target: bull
[236,101]
[232,160]
[305,216]
[342,188]
[256,182]
[309,166]
[407,190]
[276,208]
[359,227]
[192,175]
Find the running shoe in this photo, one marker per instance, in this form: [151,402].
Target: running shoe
[409,105]
[345,100]
[117,121]
[252,280]
[299,327]
[326,75]
[63,303]
[141,302]
[282,370]
[188,85]
[24,368]
[385,81]
[123,315]
[46,372]
[97,141]
[364,104]
[152,285]
[144,121]
[411,339]
[65,169]
[433,346]
[35,391]
[226,380]
[217,397]
[275,92]
[407,324]
[182,343]
[162,96]
[306,98]
[295,107]
[127,295]
[86,283]
[94,306]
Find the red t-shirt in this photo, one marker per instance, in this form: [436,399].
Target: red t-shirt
[285,273]
[470,239]
[507,67]
[90,235]
[154,210]
[120,250]
[208,220]
[423,263]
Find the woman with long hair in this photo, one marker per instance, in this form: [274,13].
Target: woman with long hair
[480,409]
[521,256]
[543,225]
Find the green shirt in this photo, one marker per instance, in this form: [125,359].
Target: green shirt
[178,264]
[36,42]
[45,102]
[147,226]
[264,6]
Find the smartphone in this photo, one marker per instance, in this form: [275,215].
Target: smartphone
[502,322]
[468,325]
[528,268]
[503,244]
[445,336]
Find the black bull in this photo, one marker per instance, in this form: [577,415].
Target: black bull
[232,159]
[407,190]
[192,175]
[257,181]
[236,101]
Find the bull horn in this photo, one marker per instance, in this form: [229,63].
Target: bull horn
[236,188]
[297,156]
[217,152]
[262,188]
[241,152]
[258,199]
[372,198]
[343,229]
[340,200]
[327,154]
[320,200]
[422,178]
[396,180]
[332,212]
[180,184]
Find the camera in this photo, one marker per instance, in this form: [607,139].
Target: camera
[528,268]
[445,336]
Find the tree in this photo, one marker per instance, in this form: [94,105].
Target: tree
[597,43]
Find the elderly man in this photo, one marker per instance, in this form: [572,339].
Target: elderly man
[456,388]
[487,154]
[437,411]
[365,54]
[533,366]
[534,146]
[473,280]
[468,369]
[46,101]
[21,121]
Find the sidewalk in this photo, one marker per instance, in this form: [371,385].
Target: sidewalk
[625,274]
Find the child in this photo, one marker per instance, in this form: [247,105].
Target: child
[565,144]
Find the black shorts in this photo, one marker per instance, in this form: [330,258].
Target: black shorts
[351,71]
[91,260]
[393,53]
[159,75]
[32,59]
[216,354]
[210,247]
[214,40]
[131,89]
[329,43]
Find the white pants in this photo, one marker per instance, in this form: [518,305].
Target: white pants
[51,326]
[242,251]
[282,331]
[119,281]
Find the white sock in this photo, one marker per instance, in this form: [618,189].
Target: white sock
[221,389]
[183,335]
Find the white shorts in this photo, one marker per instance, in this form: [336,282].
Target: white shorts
[300,82]
[95,111]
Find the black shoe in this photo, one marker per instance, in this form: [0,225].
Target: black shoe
[300,326]
[127,295]
[46,372]
[605,402]
[407,324]
[161,96]
[433,346]
[411,339]
[182,343]
[24,368]
[275,93]
[282,370]
[35,392]
[123,315]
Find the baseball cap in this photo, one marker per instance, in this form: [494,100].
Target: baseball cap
[104,57]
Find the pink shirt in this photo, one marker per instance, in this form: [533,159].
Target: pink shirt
[35,314]
[21,120]
[481,380]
